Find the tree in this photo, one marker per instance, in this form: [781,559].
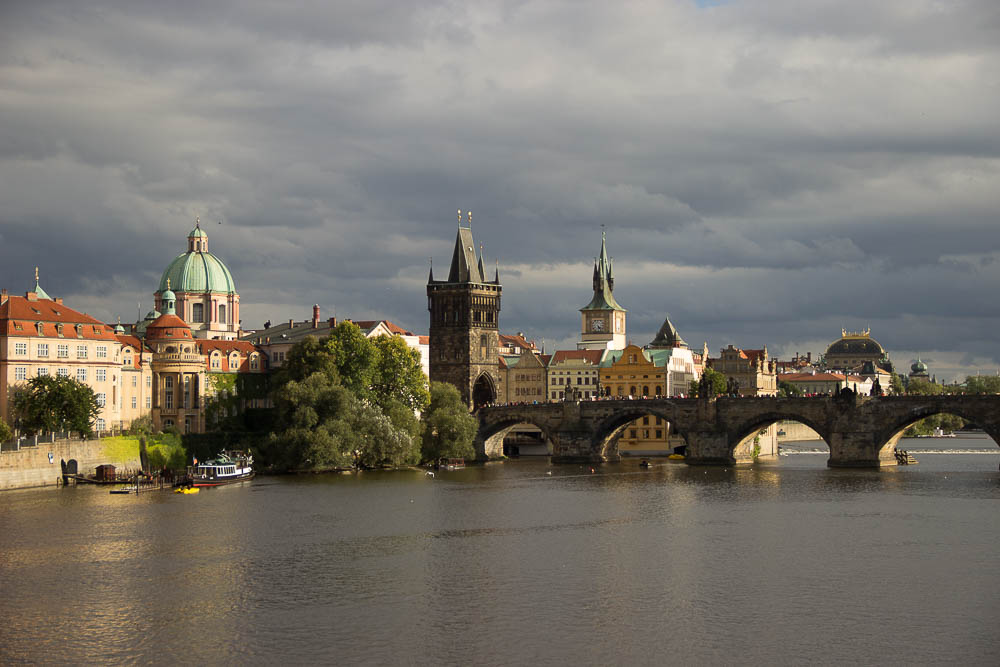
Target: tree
[717,382]
[448,428]
[896,385]
[788,389]
[397,375]
[5,432]
[310,355]
[55,403]
[982,384]
[354,357]
[918,387]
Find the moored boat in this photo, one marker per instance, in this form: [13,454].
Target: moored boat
[228,467]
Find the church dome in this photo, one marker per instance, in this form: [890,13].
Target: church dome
[856,344]
[168,327]
[197,270]
[918,367]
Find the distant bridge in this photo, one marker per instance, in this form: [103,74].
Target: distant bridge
[861,431]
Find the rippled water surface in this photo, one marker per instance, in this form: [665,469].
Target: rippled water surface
[520,563]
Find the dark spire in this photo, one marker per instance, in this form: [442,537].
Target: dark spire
[482,264]
[667,336]
[604,282]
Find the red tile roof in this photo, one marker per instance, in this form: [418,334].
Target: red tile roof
[19,317]
[590,356]
[225,348]
[168,327]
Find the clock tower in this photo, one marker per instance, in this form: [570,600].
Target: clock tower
[602,321]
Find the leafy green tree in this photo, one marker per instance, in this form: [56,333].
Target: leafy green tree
[717,382]
[5,432]
[354,357]
[55,403]
[448,428]
[918,387]
[376,441]
[308,430]
[982,384]
[310,355]
[140,426]
[398,376]
[788,389]
[896,385]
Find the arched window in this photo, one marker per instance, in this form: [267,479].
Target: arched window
[645,390]
[631,390]
[198,312]
[222,314]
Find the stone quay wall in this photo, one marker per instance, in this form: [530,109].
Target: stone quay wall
[794,431]
[39,465]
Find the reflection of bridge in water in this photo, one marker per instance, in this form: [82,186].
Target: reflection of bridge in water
[860,431]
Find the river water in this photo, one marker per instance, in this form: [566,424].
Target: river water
[521,562]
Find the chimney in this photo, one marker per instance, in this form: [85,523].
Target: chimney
[291,323]
[332,322]
[3,295]
[59,300]
[31,296]
[315,316]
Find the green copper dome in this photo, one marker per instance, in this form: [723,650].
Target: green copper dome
[198,271]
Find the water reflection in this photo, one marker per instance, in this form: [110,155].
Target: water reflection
[510,564]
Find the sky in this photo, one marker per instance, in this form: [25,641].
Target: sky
[768,171]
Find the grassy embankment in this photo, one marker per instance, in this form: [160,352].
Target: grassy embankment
[163,449]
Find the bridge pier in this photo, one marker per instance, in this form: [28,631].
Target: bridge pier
[854,449]
[709,448]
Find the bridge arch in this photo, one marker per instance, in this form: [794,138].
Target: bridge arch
[888,437]
[489,443]
[608,431]
[740,435]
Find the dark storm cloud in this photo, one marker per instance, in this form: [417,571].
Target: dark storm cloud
[767,171]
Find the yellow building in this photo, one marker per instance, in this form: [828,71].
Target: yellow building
[574,374]
[522,378]
[639,373]
[40,336]
[752,371]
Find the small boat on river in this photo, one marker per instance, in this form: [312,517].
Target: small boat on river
[228,467]
[449,464]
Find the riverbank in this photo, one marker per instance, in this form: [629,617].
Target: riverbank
[41,464]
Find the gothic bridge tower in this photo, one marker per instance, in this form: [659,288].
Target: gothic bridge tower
[463,309]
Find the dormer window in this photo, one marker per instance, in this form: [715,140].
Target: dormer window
[79,331]
[39,328]
[59,328]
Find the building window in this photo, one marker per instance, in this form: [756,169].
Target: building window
[62,351]
[102,351]
[198,312]
[134,401]
[43,349]
[43,372]
[63,372]
[254,362]
[222,314]
[659,433]
[100,375]
[135,381]
[81,374]
[21,348]
[216,361]
[102,399]
[81,351]
[632,434]
[100,424]
[21,373]
[149,381]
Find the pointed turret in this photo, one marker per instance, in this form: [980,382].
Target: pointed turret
[667,336]
[39,292]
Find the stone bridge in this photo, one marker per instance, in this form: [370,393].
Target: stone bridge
[861,431]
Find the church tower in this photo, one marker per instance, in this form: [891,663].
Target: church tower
[602,321]
[464,340]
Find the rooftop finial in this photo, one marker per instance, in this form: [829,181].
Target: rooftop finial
[459,217]
[470,219]
[168,283]
[36,274]
[197,222]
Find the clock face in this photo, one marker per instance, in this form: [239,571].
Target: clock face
[597,325]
